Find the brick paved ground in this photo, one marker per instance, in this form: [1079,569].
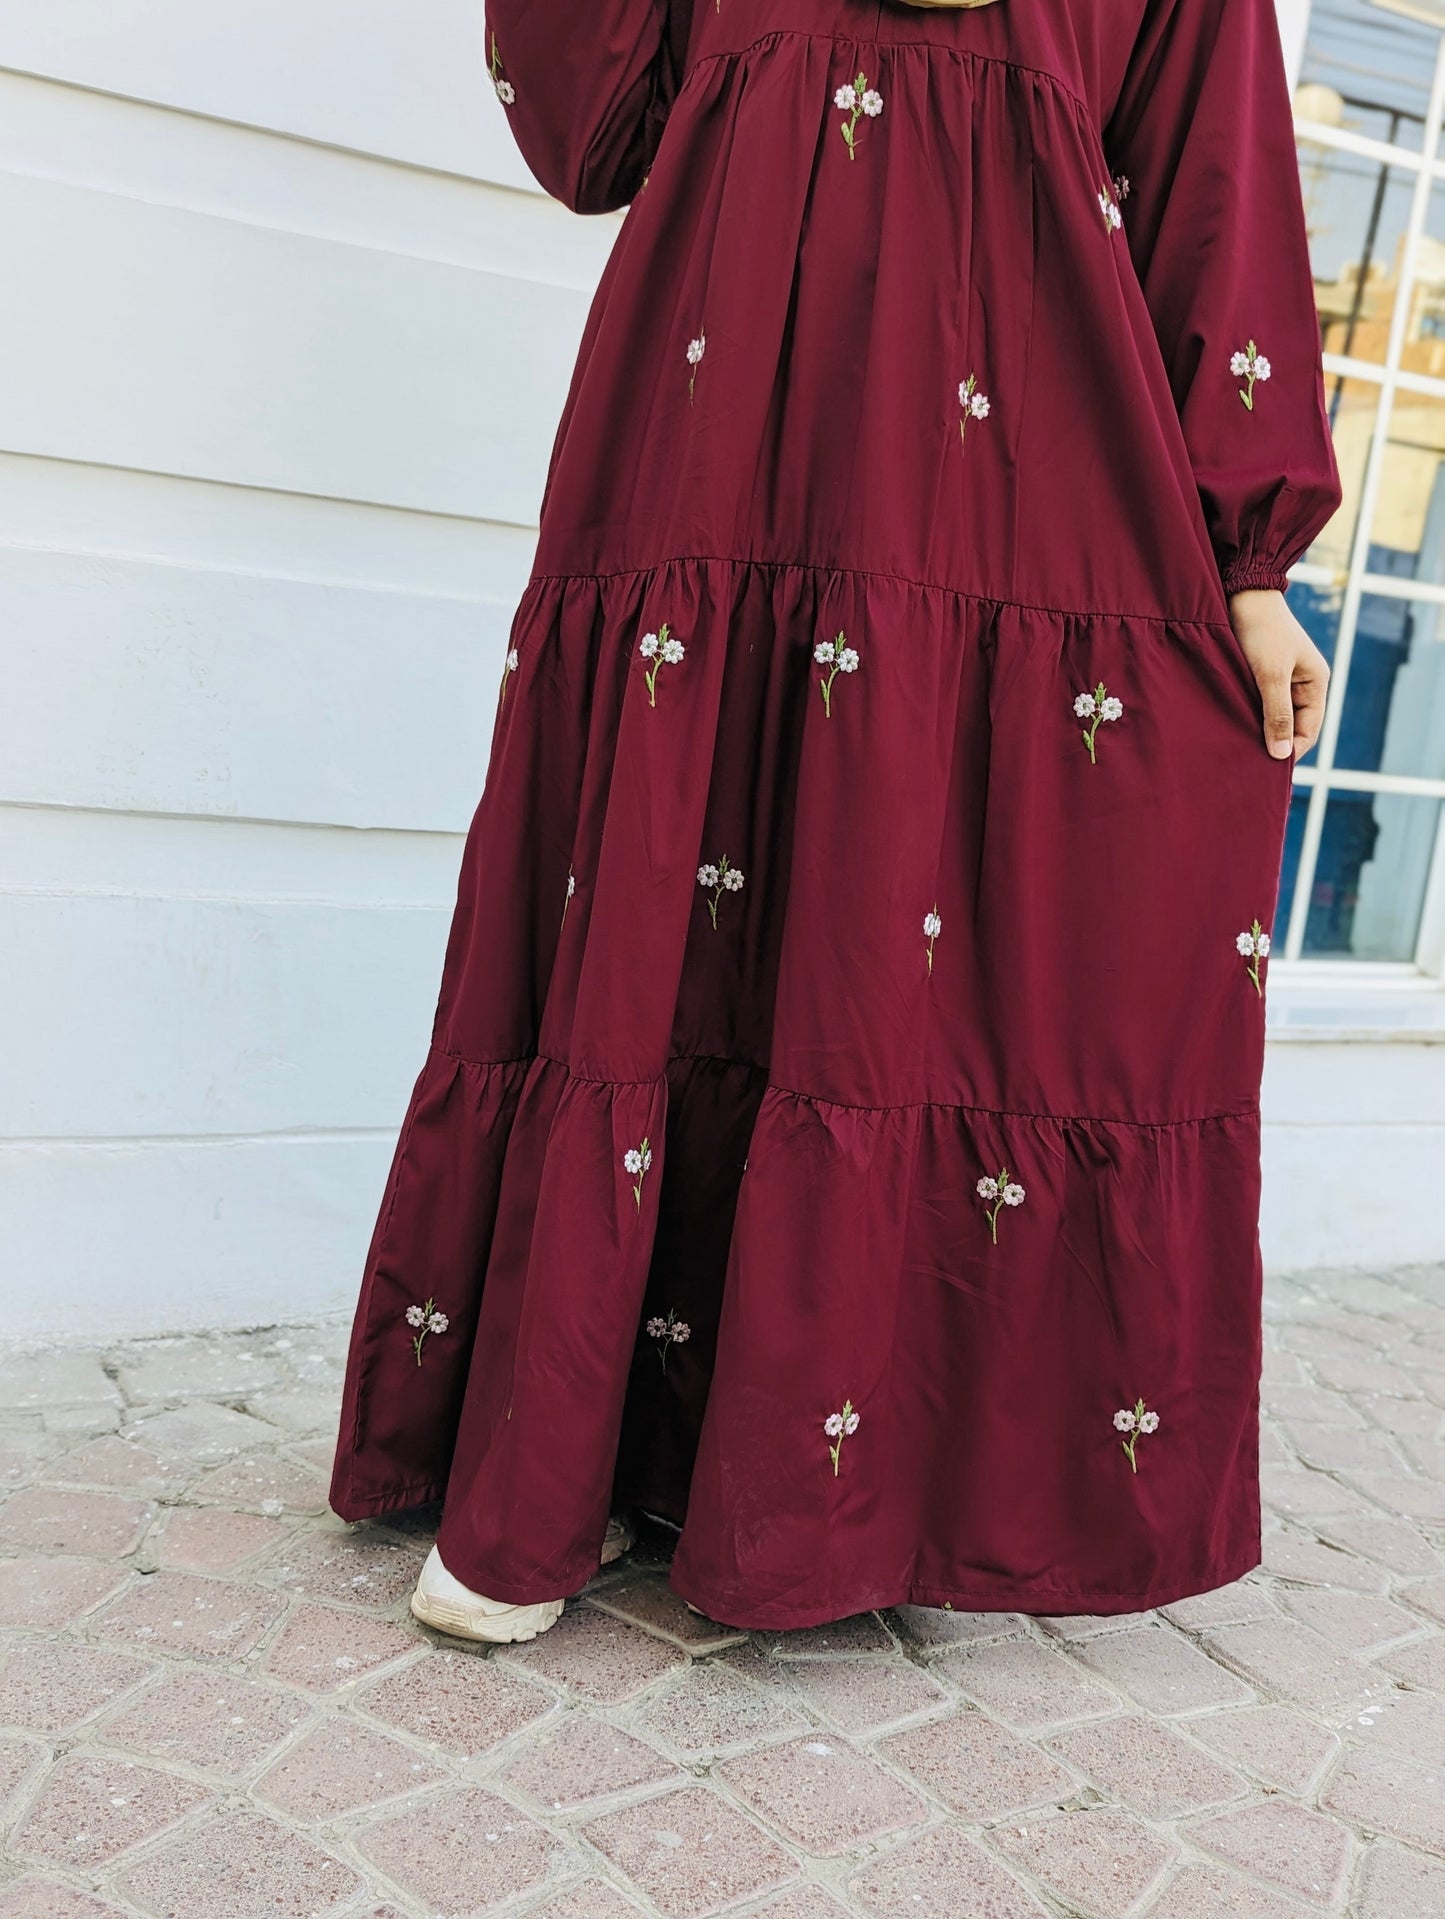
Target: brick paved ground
[216,1706]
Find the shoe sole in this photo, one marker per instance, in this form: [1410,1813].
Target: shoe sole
[443,1617]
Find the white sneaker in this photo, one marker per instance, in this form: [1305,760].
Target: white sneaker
[441,1600]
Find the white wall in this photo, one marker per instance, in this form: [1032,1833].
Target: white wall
[285,335]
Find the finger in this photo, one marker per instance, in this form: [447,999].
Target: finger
[1309,711]
[1278,714]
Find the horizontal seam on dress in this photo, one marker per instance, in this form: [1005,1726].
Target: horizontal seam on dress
[903,579]
[973,54]
[858,1106]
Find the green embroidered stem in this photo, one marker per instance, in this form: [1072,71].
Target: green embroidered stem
[848,128]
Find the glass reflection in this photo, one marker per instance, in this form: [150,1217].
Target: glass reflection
[1369,882]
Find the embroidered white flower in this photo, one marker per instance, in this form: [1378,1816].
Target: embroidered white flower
[1113,219]
[1121,186]
[636,1160]
[975,405]
[695,350]
[1101,707]
[1253,946]
[718,877]
[425,1319]
[838,1427]
[855,99]
[668,1332]
[509,667]
[1249,365]
[996,1193]
[1134,1424]
[842,658]
[506,92]
[932,927]
[661,649]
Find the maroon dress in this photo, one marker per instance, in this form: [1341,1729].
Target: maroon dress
[840,1134]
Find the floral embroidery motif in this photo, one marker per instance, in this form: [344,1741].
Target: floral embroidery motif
[506,92]
[722,877]
[509,667]
[932,927]
[1250,365]
[662,650]
[571,889]
[996,1193]
[974,404]
[636,1161]
[838,1427]
[855,98]
[842,658]
[1101,707]
[1113,218]
[1132,1425]
[423,1320]
[1253,946]
[1121,187]
[668,1332]
[695,350]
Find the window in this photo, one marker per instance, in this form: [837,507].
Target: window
[1364,868]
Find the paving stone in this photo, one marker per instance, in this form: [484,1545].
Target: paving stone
[61,1376]
[1426,1596]
[1293,1848]
[264,1484]
[1395,1885]
[1421,1663]
[53,1686]
[931,1626]
[1291,1660]
[1227,1606]
[19,1760]
[1408,1494]
[71,1424]
[340,1767]
[323,1649]
[1392,1542]
[711,1710]
[979,1771]
[461,1701]
[941,1875]
[240,1867]
[800,1902]
[864,1632]
[210,1540]
[651,1603]
[1025,1683]
[1209,1892]
[597,1657]
[1364,1376]
[91,1807]
[1409,1723]
[823,1795]
[1426,1456]
[23,1452]
[1103,1862]
[1071,1627]
[191,1368]
[1280,1747]
[1392,1795]
[1407,1419]
[1164,1673]
[299,1413]
[48,1519]
[594,1900]
[863,1696]
[183,1613]
[582,1759]
[355,1568]
[1311,1404]
[1337,1448]
[118,1462]
[320,1453]
[1298,1493]
[690,1852]
[468,1839]
[37,1896]
[47,1594]
[1351,1620]
[1151,1768]
[197,1717]
[1311,1562]
[202,1431]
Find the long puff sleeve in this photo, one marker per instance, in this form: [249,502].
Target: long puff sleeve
[1201,130]
[587,89]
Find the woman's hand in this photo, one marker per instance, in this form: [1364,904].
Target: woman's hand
[1289,669]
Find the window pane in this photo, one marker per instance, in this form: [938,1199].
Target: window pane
[1355,211]
[1368,70]
[1424,347]
[1394,713]
[1353,406]
[1408,536]
[1294,833]
[1369,883]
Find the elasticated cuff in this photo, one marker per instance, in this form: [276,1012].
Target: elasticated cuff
[1249,578]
